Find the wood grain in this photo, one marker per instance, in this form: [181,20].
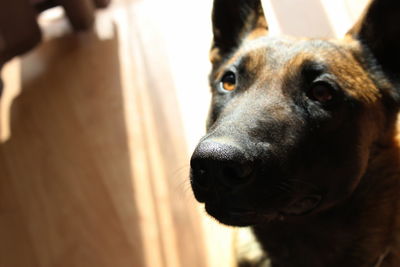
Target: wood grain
[82,182]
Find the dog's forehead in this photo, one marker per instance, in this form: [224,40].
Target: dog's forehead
[276,52]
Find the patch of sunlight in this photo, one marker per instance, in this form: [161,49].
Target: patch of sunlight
[12,88]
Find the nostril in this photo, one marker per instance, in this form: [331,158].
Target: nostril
[231,177]
[199,175]
[202,178]
[236,174]
[244,170]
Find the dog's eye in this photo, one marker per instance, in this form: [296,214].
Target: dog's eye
[321,92]
[228,81]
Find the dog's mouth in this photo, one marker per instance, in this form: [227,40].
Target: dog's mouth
[248,217]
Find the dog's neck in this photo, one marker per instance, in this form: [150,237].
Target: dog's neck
[362,231]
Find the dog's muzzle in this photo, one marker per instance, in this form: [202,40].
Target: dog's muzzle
[236,188]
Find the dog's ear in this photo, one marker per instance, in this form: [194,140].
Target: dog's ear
[379,30]
[234,20]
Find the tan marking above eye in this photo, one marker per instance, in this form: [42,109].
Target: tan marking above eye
[228,81]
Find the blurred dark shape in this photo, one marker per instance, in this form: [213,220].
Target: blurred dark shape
[19,30]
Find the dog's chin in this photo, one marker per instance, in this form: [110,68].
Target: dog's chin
[246,217]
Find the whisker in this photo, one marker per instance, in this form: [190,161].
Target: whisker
[180,176]
[185,168]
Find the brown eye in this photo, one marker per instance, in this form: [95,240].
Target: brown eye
[228,81]
[321,92]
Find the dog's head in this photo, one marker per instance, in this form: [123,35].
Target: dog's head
[293,122]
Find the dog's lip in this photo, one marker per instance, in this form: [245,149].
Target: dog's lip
[229,209]
[302,206]
[241,212]
[233,216]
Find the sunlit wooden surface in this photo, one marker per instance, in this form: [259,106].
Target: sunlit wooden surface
[96,133]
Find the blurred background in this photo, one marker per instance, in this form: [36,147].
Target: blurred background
[97,123]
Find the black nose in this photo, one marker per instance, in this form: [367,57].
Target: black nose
[215,163]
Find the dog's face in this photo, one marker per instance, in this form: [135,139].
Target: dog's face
[292,122]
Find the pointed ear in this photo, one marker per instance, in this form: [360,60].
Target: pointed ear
[234,20]
[379,30]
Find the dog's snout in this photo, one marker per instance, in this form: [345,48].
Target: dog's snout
[215,163]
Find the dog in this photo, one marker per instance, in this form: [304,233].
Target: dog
[302,138]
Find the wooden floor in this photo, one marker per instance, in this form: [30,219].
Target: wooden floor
[96,133]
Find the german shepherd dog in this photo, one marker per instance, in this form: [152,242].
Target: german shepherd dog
[301,140]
